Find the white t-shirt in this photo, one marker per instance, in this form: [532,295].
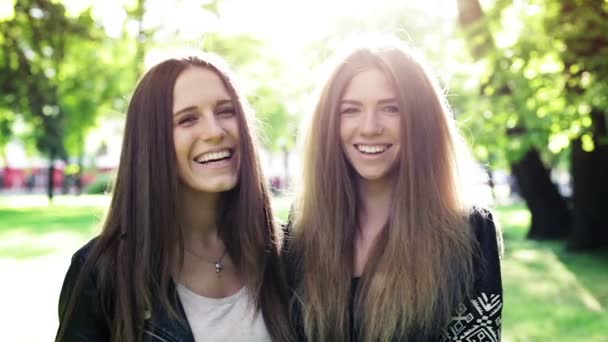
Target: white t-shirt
[232,318]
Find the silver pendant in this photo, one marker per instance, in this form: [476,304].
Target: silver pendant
[218,268]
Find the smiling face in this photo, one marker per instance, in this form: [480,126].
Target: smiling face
[370,120]
[205,132]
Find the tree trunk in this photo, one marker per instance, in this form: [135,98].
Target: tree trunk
[51,178]
[549,210]
[590,190]
[78,175]
[479,37]
[65,184]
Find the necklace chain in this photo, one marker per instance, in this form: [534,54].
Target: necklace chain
[219,266]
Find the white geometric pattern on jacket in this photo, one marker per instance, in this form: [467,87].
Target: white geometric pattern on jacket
[477,322]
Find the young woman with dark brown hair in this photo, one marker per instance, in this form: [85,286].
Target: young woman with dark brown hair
[189,250]
[385,245]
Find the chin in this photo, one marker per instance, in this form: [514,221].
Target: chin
[374,176]
[370,174]
[220,186]
[213,185]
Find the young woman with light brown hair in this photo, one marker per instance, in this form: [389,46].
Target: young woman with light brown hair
[189,250]
[384,245]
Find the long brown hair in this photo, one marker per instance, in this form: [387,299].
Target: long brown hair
[136,249]
[420,266]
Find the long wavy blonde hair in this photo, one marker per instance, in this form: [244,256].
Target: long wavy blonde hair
[420,267]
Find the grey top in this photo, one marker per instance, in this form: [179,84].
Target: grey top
[232,318]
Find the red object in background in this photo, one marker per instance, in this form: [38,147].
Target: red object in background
[57,177]
[17,178]
[87,178]
[13,178]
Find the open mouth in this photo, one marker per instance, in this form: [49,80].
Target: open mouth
[372,149]
[214,157]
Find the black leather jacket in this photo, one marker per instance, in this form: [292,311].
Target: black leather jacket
[87,323]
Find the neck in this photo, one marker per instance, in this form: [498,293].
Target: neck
[198,216]
[375,200]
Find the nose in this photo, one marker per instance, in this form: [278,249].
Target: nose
[211,129]
[371,124]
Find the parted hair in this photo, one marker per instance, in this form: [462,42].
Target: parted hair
[420,266]
[142,236]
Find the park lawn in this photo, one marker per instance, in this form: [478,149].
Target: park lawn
[30,227]
[550,294]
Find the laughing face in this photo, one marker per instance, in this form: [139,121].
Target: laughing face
[205,132]
[370,120]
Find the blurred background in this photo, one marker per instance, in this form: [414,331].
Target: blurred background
[527,80]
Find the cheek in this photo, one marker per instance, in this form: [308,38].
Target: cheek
[395,127]
[345,130]
[180,145]
[232,127]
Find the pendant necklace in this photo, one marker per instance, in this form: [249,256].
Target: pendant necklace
[219,267]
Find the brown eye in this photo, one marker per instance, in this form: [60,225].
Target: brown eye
[187,120]
[391,109]
[349,110]
[226,112]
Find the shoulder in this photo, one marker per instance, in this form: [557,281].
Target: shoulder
[487,231]
[81,255]
[481,313]
[75,269]
[80,317]
[488,241]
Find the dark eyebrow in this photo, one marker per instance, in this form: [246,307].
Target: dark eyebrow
[184,110]
[350,102]
[385,101]
[193,108]
[223,102]
[357,103]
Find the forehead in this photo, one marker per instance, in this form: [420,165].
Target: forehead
[198,86]
[369,83]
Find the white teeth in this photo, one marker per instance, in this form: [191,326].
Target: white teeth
[371,148]
[213,156]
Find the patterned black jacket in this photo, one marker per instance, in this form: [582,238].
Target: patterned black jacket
[477,319]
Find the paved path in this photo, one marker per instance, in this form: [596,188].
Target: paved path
[29,291]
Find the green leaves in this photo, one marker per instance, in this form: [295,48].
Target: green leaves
[547,72]
[60,73]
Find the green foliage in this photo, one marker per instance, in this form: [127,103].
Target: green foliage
[33,49]
[7,119]
[61,72]
[96,76]
[263,77]
[101,185]
[540,82]
[240,50]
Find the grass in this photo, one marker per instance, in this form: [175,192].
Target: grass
[551,294]
[30,227]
